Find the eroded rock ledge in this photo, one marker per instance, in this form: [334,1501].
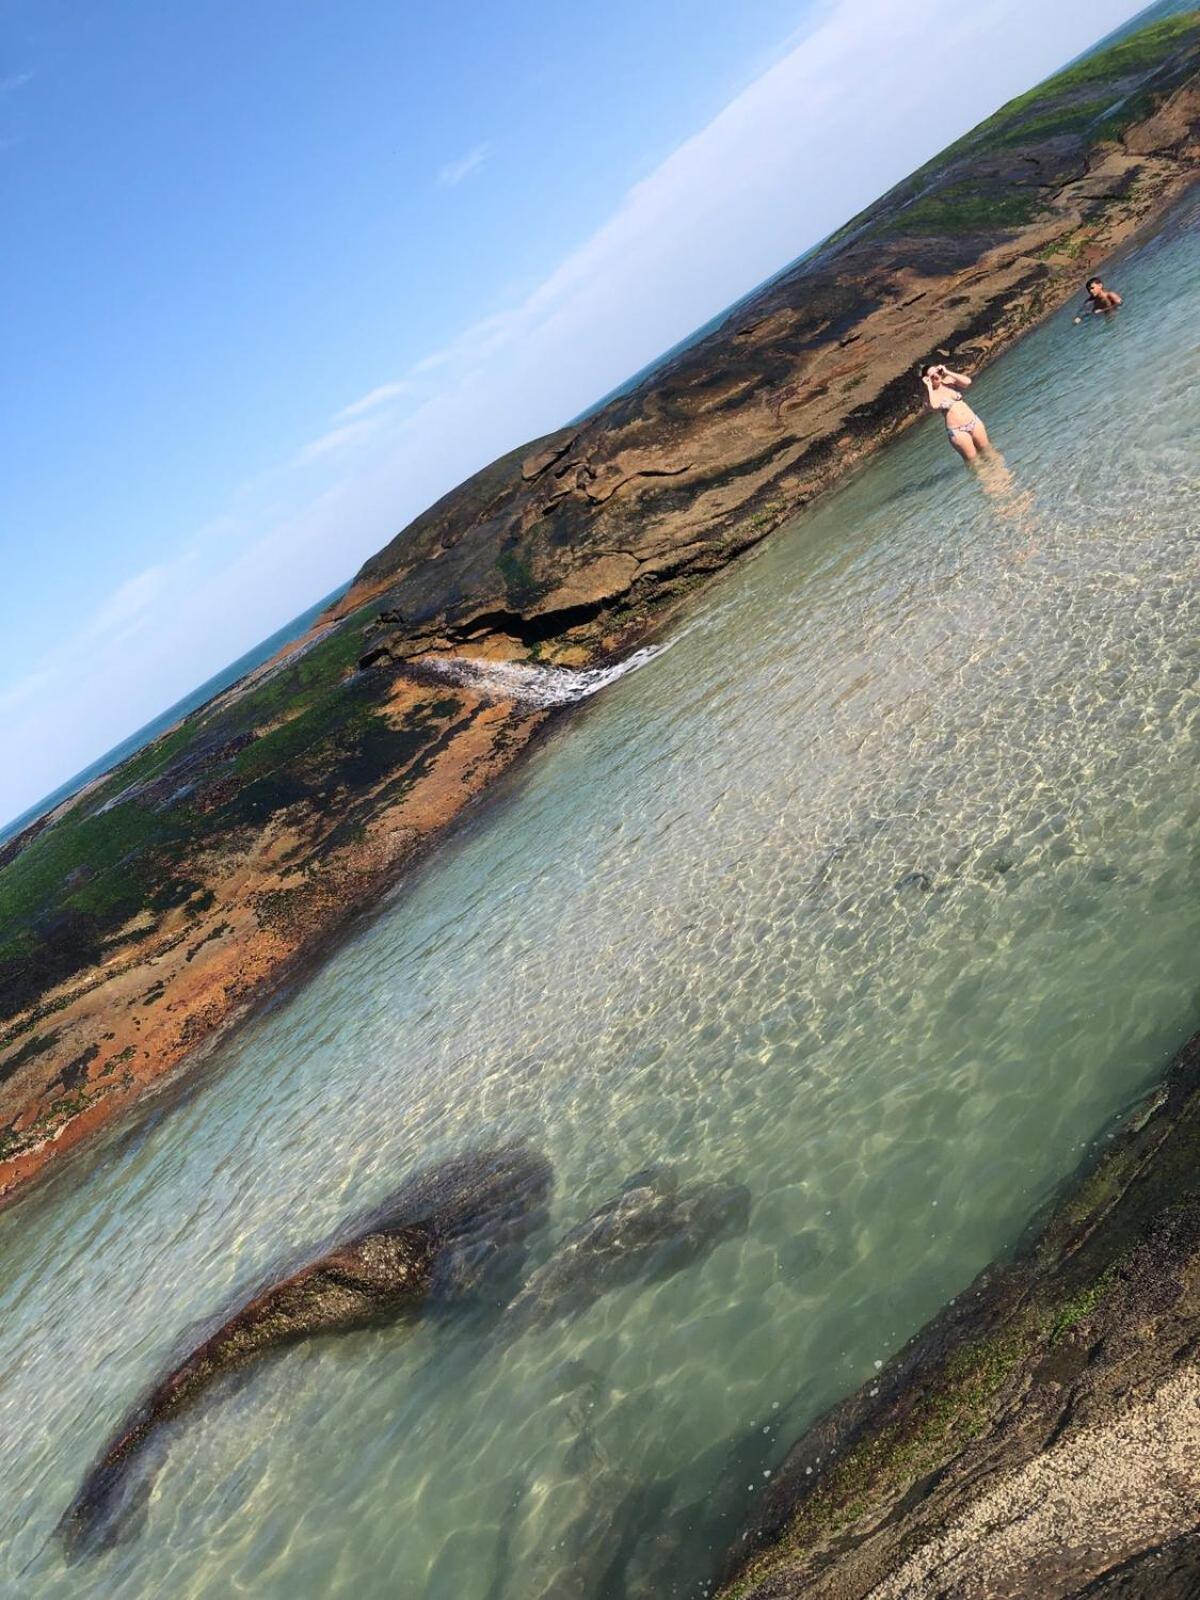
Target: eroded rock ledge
[1040,1440]
[587,536]
[152,910]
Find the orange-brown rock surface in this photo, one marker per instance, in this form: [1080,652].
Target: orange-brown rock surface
[154,908]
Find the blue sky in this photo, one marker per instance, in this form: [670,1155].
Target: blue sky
[283,273]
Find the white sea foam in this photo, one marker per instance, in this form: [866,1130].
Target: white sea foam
[531,685]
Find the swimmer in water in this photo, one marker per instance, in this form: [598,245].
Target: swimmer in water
[1100,301]
[969,438]
[964,429]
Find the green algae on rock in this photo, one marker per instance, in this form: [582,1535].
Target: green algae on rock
[1040,1439]
[151,910]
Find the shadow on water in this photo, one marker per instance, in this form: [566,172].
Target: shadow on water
[643,1539]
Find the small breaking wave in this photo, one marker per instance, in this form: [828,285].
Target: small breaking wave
[531,685]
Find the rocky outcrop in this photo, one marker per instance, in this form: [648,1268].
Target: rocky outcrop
[1040,1440]
[651,1230]
[154,909]
[582,536]
[453,1231]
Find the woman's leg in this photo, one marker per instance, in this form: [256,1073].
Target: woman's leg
[980,435]
[995,474]
[963,444]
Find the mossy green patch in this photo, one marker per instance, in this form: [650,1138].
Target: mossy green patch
[1132,56]
[1097,99]
[108,870]
[1072,101]
[955,1409]
[1081,1305]
[41,876]
[294,686]
[1053,121]
[143,766]
[519,582]
[968,208]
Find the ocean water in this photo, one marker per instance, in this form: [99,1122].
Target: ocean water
[875,889]
[190,702]
[1142,19]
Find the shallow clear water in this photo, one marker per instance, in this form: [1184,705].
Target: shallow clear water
[876,889]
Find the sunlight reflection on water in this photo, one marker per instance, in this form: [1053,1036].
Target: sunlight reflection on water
[877,891]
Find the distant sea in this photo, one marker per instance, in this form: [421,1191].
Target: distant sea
[1152,13]
[244,664]
[128,747]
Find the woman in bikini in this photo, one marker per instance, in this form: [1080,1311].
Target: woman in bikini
[964,429]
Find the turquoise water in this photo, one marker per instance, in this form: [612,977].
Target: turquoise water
[876,890]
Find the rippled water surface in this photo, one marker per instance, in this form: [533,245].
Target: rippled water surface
[876,890]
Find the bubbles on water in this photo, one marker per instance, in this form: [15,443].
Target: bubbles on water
[531,685]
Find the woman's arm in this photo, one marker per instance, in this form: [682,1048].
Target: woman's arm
[958,379]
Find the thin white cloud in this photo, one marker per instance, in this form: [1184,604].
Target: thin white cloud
[337,439]
[15,80]
[454,172]
[826,128]
[380,396]
[128,605]
[429,363]
[24,689]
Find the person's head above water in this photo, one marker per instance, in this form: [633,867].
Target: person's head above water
[1100,301]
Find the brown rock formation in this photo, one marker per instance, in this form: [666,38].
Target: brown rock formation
[1040,1440]
[153,909]
[440,1235]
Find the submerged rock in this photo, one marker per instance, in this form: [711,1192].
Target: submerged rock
[451,1232]
[915,880]
[801,1254]
[650,1230]
[599,1513]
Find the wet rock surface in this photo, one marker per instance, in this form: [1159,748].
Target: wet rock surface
[1040,1440]
[453,1231]
[155,908]
[652,1229]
